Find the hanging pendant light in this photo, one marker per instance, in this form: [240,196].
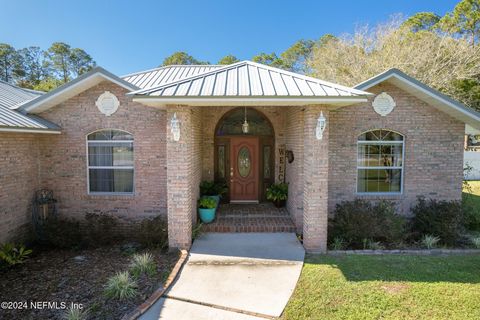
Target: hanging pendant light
[245,123]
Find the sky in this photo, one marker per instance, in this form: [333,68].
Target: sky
[127,36]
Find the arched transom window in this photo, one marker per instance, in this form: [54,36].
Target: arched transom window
[380,162]
[110,162]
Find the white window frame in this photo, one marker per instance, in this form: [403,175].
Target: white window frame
[401,168]
[89,142]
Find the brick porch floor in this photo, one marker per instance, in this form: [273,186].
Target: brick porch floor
[263,217]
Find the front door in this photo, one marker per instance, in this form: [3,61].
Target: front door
[244,169]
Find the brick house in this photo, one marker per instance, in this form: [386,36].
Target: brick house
[140,144]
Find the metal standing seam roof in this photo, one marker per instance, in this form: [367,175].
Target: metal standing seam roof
[10,97]
[167,74]
[247,79]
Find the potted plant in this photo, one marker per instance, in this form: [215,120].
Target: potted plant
[206,209]
[220,190]
[278,194]
[213,190]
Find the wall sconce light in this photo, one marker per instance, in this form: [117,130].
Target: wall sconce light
[321,124]
[175,127]
[245,123]
[290,156]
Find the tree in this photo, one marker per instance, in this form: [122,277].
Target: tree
[228,59]
[48,84]
[34,67]
[10,65]
[269,59]
[68,63]
[436,59]
[421,21]
[59,57]
[294,58]
[181,58]
[80,61]
[464,20]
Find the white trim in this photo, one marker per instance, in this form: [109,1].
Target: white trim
[29,131]
[209,101]
[88,167]
[402,168]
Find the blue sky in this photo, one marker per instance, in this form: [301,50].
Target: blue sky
[128,36]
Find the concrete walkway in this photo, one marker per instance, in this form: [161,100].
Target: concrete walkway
[234,276]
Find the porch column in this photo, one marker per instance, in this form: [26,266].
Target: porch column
[179,190]
[315,194]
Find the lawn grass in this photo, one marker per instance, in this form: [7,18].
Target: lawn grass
[387,287]
[472,194]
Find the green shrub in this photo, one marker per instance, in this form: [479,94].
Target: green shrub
[63,233]
[277,192]
[429,241]
[476,242]
[121,286]
[154,232]
[374,245]
[100,229]
[444,219]
[13,255]
[75,314]
[355,221]
[197,230]
[337,244]
[207,188]
[207,203]
[472,213]
[143,264]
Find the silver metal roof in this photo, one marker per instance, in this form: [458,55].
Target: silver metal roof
[12,96]
[159,76]
[244,79]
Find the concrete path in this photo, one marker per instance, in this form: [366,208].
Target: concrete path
[234,276]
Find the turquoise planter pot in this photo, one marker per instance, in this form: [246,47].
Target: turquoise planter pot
[206,215]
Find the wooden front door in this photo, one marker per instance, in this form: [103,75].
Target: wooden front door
[244,169]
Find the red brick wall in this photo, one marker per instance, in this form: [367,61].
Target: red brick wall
[18,183]
[184,163]
[316,183]
[294,135]
[63,158]
[433,148]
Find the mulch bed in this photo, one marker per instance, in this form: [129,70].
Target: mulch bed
[71,276]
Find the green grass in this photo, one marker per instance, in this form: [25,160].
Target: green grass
[387,287]
[473,195]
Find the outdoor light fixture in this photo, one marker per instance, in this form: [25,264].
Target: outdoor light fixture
[321,124]
[245,123]
[175,127]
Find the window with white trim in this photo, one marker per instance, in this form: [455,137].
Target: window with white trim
[380,162]
[110,162]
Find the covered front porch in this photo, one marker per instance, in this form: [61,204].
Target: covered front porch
[206,140]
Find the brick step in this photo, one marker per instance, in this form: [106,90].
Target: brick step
[274,224]
[253,215]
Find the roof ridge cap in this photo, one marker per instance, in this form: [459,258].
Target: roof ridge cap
[190,78]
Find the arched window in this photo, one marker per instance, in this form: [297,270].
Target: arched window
[110,162]
[380,162]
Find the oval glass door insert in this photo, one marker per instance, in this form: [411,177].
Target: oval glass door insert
[244,163]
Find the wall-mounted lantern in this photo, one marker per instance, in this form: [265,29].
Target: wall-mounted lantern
[290,156]
[245,123]
[175,127]
[321,124]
